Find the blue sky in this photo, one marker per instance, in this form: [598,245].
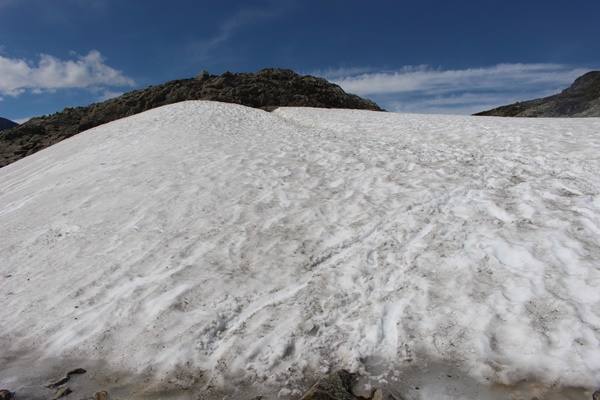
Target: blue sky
[414,56]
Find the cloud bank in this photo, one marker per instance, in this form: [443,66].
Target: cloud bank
[458,91]
[50,73]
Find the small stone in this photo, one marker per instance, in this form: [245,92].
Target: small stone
[336,386]
[62,392]
[378,395]
[596,395]
[103,395]
[6,395]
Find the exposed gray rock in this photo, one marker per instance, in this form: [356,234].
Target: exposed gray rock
[581,99]
[266,89]
[335,386]
[62,392]
[378,395]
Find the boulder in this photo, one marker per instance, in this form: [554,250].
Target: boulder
[6,395]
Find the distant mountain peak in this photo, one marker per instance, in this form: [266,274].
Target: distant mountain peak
[588,83]
[6,124]
[581,99]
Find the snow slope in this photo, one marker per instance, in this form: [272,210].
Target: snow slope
[205,245]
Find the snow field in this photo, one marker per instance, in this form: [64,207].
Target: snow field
[263,247]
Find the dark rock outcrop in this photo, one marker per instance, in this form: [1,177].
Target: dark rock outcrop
[266,89]
[6,395]
[581,99]
[6,124]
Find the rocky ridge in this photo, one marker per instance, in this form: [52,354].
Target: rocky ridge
[581,99]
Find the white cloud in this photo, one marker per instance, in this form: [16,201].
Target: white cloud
[22,120]
[424,78]
[234,23]
[109,94]
[51,73]
[457,91]
[342,72]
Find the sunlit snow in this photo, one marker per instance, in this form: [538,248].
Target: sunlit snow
[264,248]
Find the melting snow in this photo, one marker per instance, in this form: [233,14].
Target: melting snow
[258,247]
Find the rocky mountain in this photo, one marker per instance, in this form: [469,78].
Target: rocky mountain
[266,89]
[6,124]
[581,99]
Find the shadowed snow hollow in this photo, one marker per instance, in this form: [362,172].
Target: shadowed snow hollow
[245,246]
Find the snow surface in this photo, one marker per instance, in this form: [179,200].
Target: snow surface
[203,243]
